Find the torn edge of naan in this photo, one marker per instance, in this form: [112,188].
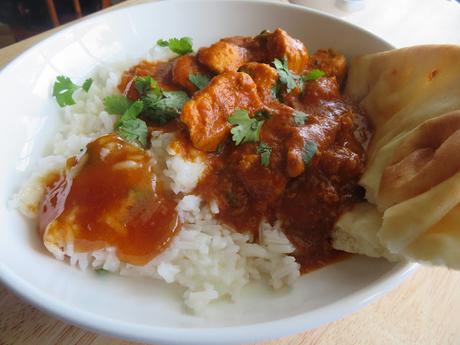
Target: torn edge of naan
[412,97]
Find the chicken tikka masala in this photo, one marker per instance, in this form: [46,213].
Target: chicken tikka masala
[279,139]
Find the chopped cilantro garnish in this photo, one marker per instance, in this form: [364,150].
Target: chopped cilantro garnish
[116,104]
[101,271]
[162,43]
[286,77]
[220,148]
[87,84]
[160,106]
[134,131]
[164,106]
[145,84]
[265,151]
[199,80]
[63,90]
[130,128]
[179,46]
[299,117]
[246,129]
[313,75]
[290,79]
[276,91]
[131,113]
[309,150]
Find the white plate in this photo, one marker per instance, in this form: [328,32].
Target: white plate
[146,310]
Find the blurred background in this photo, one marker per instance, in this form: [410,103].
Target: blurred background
[402,22]
[20,19]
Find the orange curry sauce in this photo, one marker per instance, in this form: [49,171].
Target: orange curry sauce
[308,198]
[114,199]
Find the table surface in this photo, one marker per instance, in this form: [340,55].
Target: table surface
[425,309]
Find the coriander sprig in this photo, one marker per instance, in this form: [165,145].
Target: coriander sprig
[64,88]
[179,46]
[309,151]
[199,80]
[246,129]
[292,80]
[265,151]
[157,104]
[299,117]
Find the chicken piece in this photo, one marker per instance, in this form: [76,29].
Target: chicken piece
[182,67]
[264,76]
[320,89]
[259,182]
[280,45]
[206,113]
[158,70]
[223,56]
[331,62]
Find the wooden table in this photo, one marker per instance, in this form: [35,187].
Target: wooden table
[425,309]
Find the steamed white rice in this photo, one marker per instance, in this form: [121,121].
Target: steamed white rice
[207,258]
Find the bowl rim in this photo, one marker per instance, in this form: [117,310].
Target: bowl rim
[200,335]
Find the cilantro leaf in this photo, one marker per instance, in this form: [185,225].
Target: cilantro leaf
[246,129]
[199,80]
[165,106]
[134,131]
[116,104]
[299,117]
[101,271]
[130,128]
[276,91]
[286,77]
[174,99]
[179,46]
[313,75]
[145,84]
[265,151]
[87,84]
[162,43]
[131,113]
[63,90]
[309,150]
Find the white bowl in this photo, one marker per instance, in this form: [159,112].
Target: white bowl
[147,310]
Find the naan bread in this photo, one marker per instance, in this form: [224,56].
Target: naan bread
[412,177]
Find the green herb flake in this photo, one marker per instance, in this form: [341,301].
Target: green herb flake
[162,43]
[313,75]
[308,152]
[63,90]
[286,77]
[165,106]
[179,46]
[299,117]
[143,85]
[276,91]
[101,271]
[220,148]
[245,129]
[116,104]
[199,80]
[130,128]
[265,151]
[134,131]
[87,84]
